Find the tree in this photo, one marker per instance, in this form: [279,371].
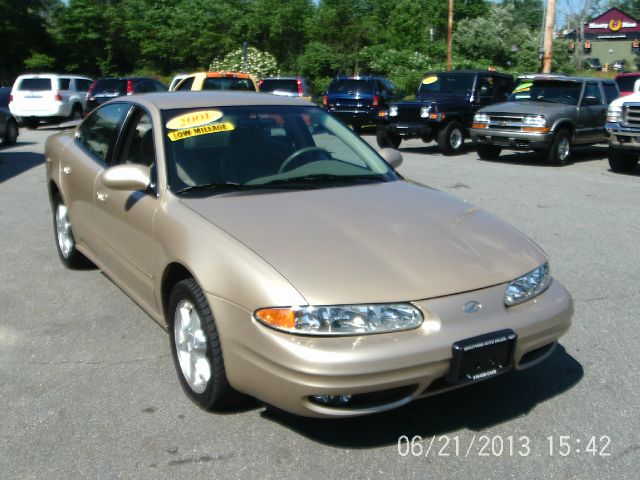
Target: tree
[260,64]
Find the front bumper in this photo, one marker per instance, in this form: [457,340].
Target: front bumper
[626,138]
[408,130]
[395,368]
[360,116]
[512,139]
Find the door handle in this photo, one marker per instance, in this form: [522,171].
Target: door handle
[102,196]
[66,169]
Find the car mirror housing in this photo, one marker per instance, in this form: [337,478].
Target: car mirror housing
[392,156]
[589,101]
[127,177]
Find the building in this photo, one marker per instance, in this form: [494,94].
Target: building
[612,36]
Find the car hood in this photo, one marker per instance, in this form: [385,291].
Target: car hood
[387,242]
[529,106]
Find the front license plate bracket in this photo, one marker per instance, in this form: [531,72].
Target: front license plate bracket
[482,357]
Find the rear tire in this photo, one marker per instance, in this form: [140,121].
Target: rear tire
[489,152]
[451,138]
[560,152]
[388,140]
[622,161]
[196,349]
[11,133]
[76,113]
[65,241]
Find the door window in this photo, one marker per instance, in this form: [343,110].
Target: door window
[592,90]
[137,146]
[99,132]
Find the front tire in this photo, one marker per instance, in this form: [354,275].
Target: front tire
[65,241]
[451,138]
[388,140]
[196,349]
[489,152]
[622,161]
[11,133]
[560,152]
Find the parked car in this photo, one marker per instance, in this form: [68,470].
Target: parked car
[626,82]
[619,65]
[48,97]
[286,86]
[592,64]
[105,89]
[387,292]
[623,130]
[236,81]
[9,130]
[5,97]
[443,109]
[358,100]
[558,114]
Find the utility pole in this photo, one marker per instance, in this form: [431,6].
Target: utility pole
[450,35]
[548,36]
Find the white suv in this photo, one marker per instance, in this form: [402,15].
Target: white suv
[48,96]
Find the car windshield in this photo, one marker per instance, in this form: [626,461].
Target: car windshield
[217,150]
[228,83]
[279,85]
[445,83]
[351,86]
[625,84]
[551,91]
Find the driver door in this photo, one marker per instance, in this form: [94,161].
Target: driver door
[125,218]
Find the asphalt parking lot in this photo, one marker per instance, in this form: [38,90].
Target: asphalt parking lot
[88,388]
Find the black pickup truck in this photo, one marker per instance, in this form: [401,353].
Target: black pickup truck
[444,108]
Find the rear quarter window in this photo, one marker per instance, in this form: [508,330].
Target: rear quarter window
[35,84]
[610,91]
[63,83]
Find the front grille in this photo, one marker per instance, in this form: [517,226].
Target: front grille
[407,114]
[506,121]
[631,114]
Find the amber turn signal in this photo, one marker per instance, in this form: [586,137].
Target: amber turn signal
[277,317]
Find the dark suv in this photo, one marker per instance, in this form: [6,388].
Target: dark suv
[443,109]
[105,89]
[357,100]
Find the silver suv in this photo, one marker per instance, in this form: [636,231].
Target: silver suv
[549,114]
[49,97]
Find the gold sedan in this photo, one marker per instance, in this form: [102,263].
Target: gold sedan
[289,261]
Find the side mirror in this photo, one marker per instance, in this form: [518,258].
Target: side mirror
[392,156]
[128,177]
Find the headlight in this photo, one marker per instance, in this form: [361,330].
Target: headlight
[481,118]
[424,112]
[393,111]
[527,286]
[534,121]
[342,319]
[614,114]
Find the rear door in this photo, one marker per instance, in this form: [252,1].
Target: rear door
[82,161]
[592,114]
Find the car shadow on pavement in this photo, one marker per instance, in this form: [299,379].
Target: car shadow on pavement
[535,159]
[433,149]
[475,407]
[14,163]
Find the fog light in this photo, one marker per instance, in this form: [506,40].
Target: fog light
[332,400]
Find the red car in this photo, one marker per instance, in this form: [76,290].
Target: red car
[626,81]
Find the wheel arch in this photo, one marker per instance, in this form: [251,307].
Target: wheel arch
[564,124]
[173,273]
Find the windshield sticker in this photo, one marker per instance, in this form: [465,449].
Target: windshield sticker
[194,119]
[525,87]
[203,130]
[429,80]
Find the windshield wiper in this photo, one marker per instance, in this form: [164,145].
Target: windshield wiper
[214,186]
[308,180]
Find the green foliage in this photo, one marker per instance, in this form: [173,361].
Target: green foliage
[40,62]
[260,64]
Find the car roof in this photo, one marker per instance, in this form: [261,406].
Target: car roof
[467,72]
[210,98]
[221,74]
[52,75]
[628,74]
[575,79]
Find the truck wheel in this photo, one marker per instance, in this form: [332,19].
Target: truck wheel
[560,152]
[489,152]
[451,138]
[622,161]
[388,140]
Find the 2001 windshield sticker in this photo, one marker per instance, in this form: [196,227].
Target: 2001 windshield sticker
[203,130]
[194,119]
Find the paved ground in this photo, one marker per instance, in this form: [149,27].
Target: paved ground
[88,390]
